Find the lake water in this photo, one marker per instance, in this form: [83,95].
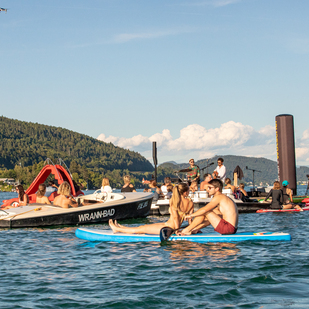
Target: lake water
[51,268]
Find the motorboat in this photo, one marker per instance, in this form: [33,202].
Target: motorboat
[201,198]
[93,208]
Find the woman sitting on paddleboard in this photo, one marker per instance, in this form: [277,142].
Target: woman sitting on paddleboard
[180,206]
[277,196]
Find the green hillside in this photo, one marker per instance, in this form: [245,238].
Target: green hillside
[31,143]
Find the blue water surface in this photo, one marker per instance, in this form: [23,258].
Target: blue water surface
[51,268]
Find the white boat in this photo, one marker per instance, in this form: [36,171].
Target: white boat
[201,198]
[100,208]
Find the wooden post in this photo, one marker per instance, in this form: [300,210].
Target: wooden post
[235,180]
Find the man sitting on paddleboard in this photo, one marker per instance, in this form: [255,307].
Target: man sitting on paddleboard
[221,212]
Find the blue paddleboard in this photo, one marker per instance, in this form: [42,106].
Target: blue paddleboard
[108,235]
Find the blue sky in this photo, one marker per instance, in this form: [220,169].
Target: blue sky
[199,77]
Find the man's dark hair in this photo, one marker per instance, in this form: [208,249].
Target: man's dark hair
[220,159]
[207,174]
[217,183]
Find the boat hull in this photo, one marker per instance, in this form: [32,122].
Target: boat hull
[108,235]
[137,206]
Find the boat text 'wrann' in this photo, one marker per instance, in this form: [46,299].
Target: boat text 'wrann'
[142,205]
[96,215]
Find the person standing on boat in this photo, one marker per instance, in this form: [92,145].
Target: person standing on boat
[220,171]
[127,187]
[65,199]
[194,174]
[40,195]
[180,206]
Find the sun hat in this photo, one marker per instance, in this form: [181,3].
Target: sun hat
[285,183]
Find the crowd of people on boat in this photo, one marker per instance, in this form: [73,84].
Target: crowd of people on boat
[221,212]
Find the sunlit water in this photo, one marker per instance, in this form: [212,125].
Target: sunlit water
[51,268]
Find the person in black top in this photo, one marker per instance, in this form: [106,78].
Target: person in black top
[276,196]
[288,197]
[127,187]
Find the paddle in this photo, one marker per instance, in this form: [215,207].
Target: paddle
[166,232]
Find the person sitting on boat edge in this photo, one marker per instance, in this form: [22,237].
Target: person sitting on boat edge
[23,198]
[277,199]
[288,197]
[40,195]
[243,193]
[153,187]
[228,185]
[105,186]
[169,191]
[65,199]
[221,212]
[204,184]
[167,181]
[127,187]
[180,206]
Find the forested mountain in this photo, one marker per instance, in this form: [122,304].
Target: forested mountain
[30,143]
[265,170]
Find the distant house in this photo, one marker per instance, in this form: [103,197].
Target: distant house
[9,181]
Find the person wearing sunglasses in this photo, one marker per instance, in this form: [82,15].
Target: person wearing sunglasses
[221,212]
[194,174]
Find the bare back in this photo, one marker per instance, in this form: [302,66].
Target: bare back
[63,201]
[178,215]
[43,200]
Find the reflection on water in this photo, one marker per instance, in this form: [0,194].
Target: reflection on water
[193,252]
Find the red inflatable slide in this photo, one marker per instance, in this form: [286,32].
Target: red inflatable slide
[60,174]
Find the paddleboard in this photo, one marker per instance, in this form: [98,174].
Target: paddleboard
[282,210]
[108,235]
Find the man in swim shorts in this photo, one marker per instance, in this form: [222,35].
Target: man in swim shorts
[221,212]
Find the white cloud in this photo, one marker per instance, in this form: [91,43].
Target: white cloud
[305,135]
[197,141]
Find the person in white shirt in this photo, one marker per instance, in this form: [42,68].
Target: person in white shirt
[105,186]
[167,181]
[220,171]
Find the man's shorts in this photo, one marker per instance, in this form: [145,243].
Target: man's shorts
[225,227]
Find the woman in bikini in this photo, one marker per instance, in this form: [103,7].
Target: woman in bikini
[40,195]
[23,198]
[180,206]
